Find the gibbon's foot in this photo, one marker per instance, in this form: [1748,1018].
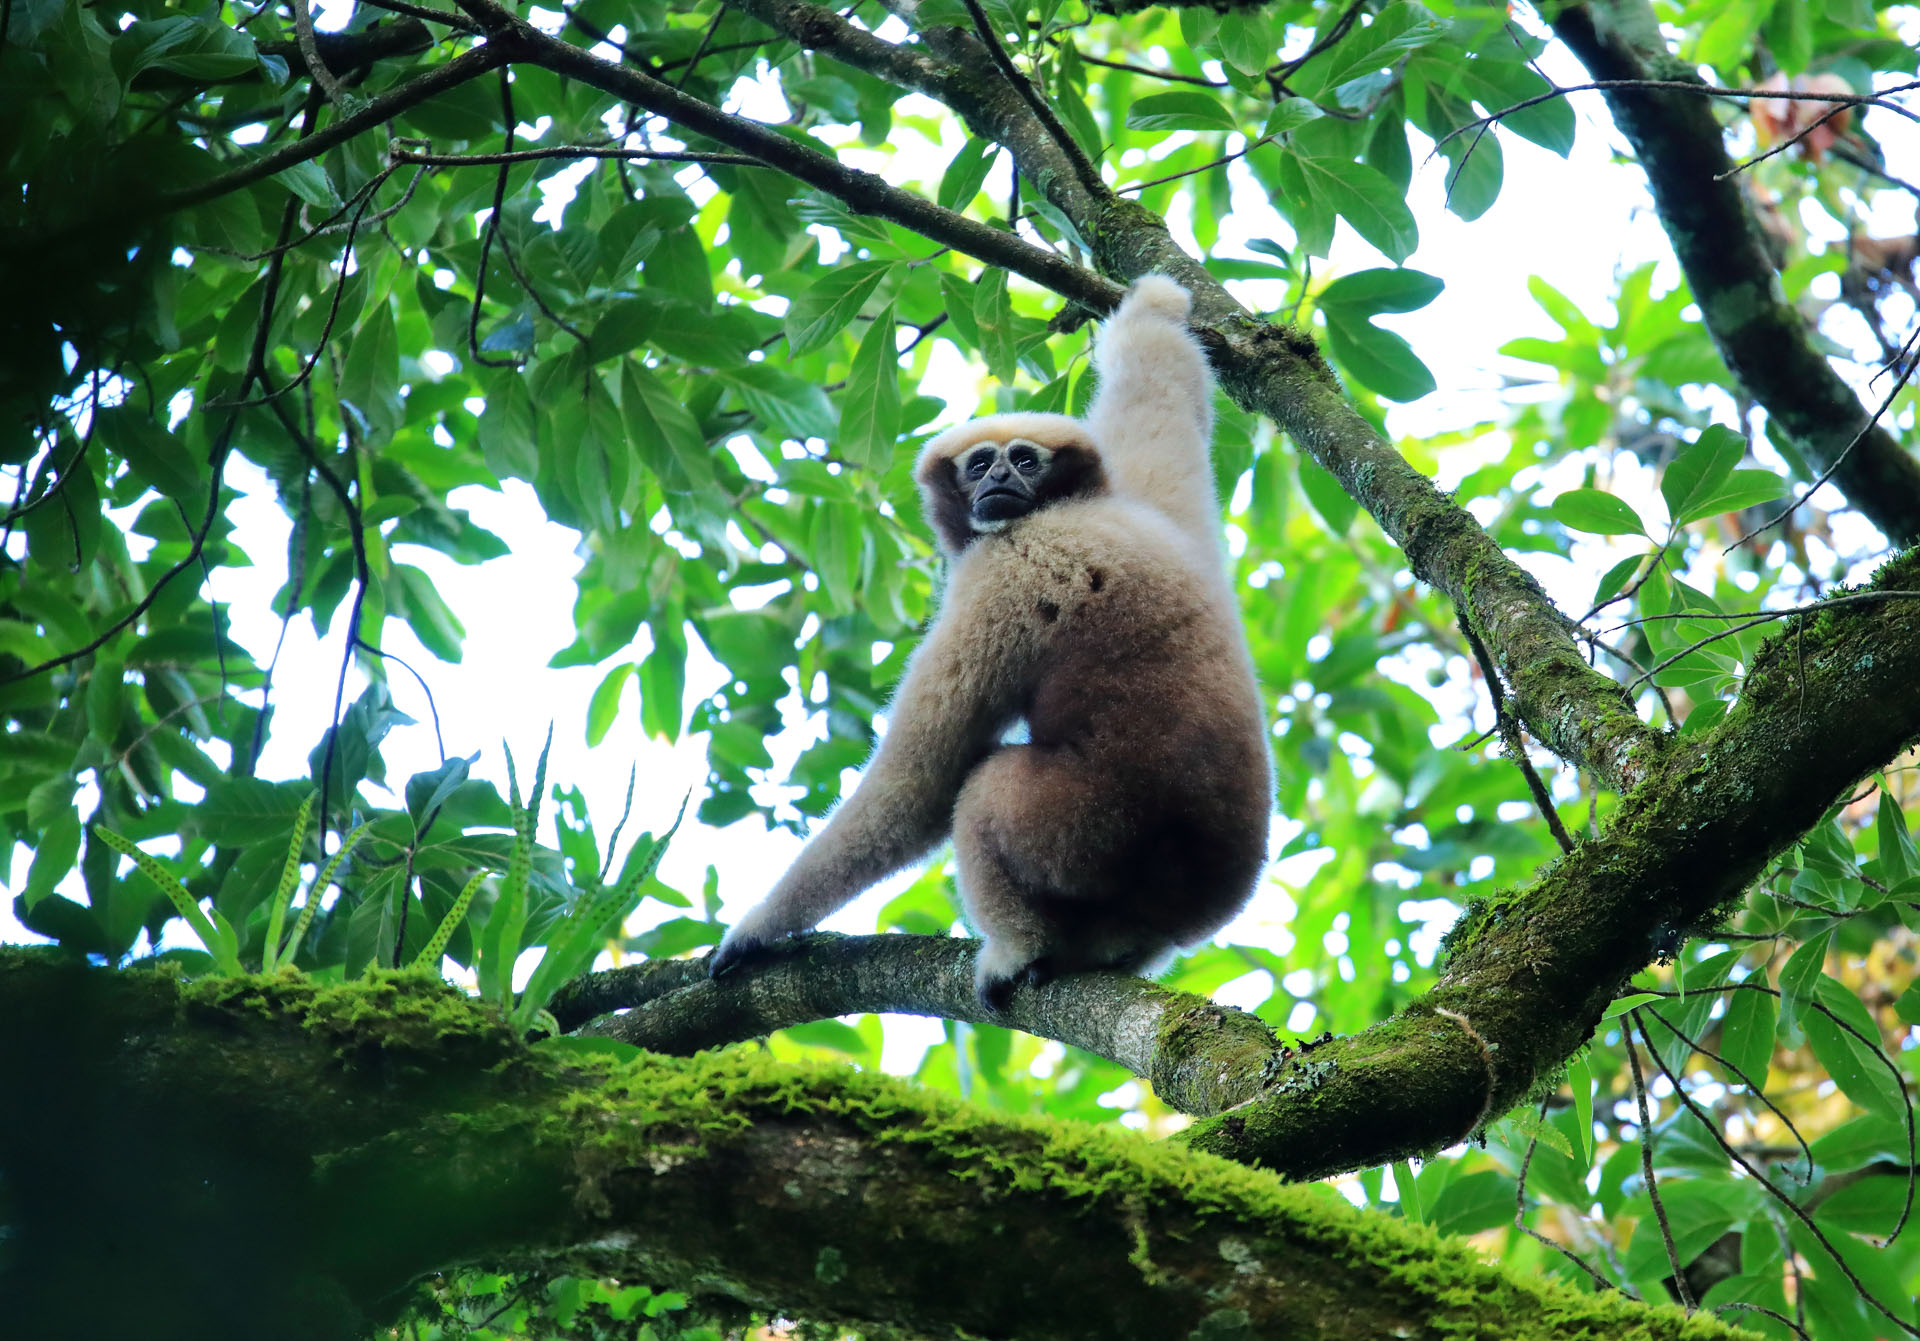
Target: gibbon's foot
[743,941]
[995,989]
[1161,295]
[731,953]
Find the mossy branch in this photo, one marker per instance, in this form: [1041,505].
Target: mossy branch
[311,1151]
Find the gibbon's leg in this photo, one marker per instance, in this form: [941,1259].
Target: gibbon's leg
[1152,415]
[1032,830]
[959,691]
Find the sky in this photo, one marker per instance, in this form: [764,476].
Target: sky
[1578,222]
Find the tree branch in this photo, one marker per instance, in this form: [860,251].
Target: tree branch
[672,1006]
[863,192]
[1765,341]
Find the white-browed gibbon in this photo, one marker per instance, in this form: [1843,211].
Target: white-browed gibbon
[1088,597]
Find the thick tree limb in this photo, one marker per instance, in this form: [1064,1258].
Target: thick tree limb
[1765,341]
[275,1149]
[672,1006]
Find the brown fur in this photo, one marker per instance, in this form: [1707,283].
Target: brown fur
[1134,820]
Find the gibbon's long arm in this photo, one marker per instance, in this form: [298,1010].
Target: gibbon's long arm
[960,692]
[1152,415]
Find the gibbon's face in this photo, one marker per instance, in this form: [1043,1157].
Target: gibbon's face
[1002,481]
[986,475]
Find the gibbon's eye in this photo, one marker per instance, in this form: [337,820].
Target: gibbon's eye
[1025,459]
[977,464]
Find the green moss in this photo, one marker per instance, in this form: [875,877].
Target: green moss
[388,1013]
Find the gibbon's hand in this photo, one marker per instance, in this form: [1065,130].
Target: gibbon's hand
[1160,295]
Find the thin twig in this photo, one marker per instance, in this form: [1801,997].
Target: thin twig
[1879,99]
[1756,1090]
[1510,732]
[487,236]
[1520,1215]
[706,39]
[1148,70]
[1787,143]
[1646,1171]
[1219,162]
[445,17]
[433,709]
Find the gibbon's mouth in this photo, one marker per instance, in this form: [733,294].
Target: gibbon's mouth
[1000,504]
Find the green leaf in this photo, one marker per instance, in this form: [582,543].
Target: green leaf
[219,939]
[289,881]
[962,180]
[1698,1211]
[1374,291]
[663,682]
[1743,489]
[1188,109]
[1246,40]
[1700,470]
[1379,360]
[201,50]
[436,946]
[320,885]
[1290,114]
[1597,513]
[1473,1202]
[1357,193]
[663,431]
[993,319]
[1898,860]
[1621,1005]
[1853,1057]
[1798,977]
[1615,579]
[833,1035]
[831,304]
[870,406]
[1394,31]
[1336,509]
[605,703]
[1580,1083]
[1408,1188]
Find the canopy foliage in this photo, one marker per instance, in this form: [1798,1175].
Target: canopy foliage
[702,276]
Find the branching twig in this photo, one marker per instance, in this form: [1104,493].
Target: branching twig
[1906,365]
[1778,1193]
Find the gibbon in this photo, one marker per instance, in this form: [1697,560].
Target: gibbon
[1088,596]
